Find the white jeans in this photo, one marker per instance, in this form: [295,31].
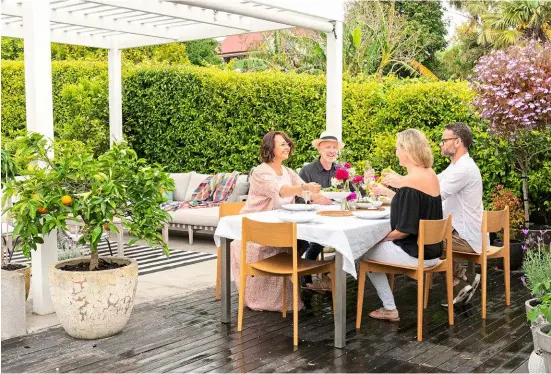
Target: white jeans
[392,254]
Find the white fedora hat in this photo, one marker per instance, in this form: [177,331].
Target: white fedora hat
[328,136]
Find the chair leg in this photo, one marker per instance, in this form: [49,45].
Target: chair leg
[322,256]
[295,309]
[284,300]
[391,281]
[241,300]
[428,277]
[507,281]
[431,276]
[218,272]
[449,292]
[420,291]
[190,234]
[484,271]
[361,290]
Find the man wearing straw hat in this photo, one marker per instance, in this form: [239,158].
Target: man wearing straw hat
[320,171]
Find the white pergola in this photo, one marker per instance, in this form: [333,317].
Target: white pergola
[121,24]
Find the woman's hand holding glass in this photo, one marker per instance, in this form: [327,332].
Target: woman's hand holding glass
[392,179]
[379,189]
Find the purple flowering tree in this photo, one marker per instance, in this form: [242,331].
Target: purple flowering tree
[513,90]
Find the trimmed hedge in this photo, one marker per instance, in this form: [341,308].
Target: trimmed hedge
[209,120]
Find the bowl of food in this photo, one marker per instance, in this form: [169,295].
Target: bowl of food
[364,204]
[385,199]
[336,195]
[377,203]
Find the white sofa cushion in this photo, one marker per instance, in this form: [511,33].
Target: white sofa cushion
[198,216]
[194,182]
[181,181]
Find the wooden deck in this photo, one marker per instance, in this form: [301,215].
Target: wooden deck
[185,335]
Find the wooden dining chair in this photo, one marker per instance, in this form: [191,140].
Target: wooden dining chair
[226,209]
[430,232]
[492,222]
[283,265]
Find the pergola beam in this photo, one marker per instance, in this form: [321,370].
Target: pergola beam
[324,9]
[77,18]
[188,13]
[58,36]
[194,32]
[286,18]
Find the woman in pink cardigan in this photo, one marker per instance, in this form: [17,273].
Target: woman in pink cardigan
[272,185]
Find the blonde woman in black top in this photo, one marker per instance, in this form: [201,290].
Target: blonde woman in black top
[417,198]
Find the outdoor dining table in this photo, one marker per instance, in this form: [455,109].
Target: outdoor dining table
[350,236]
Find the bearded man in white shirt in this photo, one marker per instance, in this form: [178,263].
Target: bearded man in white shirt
[461,192]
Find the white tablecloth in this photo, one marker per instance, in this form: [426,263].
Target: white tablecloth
[350,236]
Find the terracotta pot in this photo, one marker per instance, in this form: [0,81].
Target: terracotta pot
[94,304]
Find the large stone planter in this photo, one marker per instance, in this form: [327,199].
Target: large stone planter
[536,361]
[94,304]
[544,342]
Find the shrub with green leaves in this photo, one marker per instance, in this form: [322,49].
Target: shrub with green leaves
[210,120]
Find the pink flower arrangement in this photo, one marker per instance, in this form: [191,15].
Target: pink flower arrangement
[352,196]
[342,174]
[347,165]
[357,179]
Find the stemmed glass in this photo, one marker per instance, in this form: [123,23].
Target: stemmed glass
[369,178]
[306,195]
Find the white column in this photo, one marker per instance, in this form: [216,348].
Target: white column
[334,81]
[115,94]
[40,118]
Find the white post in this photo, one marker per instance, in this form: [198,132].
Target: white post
[334,81]
[40,118]
[115,94]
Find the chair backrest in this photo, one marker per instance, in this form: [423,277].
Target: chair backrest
[495,221]
[230,209]
[432,232]
[269,234]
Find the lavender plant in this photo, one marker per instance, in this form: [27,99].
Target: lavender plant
[514,94]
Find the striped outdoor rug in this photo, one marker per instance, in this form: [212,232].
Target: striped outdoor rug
[150,260]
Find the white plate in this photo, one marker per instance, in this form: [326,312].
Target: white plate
[364,205]
[299,207]
[301,217]
[335,195]
[372,215]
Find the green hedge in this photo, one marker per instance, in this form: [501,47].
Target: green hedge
[208,120]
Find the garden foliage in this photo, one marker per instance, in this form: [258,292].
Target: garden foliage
[209,120]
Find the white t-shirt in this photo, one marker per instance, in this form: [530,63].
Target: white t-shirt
[461,191]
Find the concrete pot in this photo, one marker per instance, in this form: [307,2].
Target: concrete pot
[94,304]
[544,341]
[26,272]
[535,362]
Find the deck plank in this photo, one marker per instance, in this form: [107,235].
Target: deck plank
[183,334]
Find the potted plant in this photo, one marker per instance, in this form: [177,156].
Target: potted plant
[537,277]
[502,198]
[64,181]
[512,92]
[543,331]
[9,171]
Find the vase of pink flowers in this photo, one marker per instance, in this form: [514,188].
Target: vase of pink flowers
[344,178]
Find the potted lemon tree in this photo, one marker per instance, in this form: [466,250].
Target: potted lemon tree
[63,181]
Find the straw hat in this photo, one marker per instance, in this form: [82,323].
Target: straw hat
[328,136]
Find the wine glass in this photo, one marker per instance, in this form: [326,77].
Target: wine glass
[306,195]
